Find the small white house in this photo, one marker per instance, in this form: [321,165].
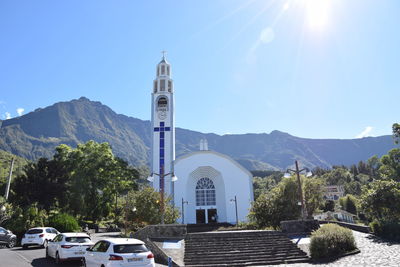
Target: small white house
[340,215]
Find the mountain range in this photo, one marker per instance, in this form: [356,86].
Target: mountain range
[37,133]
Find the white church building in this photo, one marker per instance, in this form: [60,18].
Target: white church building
[206,186]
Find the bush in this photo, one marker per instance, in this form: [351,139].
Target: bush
[387,230]
[331,240]
[64,222]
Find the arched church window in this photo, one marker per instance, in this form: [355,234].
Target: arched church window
[205,192]
[162,102]
[168,70]
[162,69]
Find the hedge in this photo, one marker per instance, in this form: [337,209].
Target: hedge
[387,230]
[331,240]
[64,222]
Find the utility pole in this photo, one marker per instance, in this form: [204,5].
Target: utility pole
[297,171]
[9,179]
[303,203]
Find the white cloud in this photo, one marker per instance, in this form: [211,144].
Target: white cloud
[7,115]
[20,111]
[366,132]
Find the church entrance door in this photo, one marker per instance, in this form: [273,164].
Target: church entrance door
[200,216]
[212,215]
[206,215]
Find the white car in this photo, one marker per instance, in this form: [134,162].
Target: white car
[38,236]
[68,246]
[121,252]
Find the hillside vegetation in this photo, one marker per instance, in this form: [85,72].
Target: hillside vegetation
[38,133]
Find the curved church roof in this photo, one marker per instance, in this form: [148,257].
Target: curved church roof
[195,153]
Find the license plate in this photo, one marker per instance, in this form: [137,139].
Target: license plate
[31,237]
[79,253]
[135,259]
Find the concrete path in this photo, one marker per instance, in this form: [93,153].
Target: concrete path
[374,252]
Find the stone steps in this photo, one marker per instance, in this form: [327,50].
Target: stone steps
[236,251]
[241,248]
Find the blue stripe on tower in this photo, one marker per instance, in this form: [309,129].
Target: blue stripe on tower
[162,130]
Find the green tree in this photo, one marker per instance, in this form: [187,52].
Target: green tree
[43,182]
[313,194]
[25,218]
[338,176]
[396,132]
[390,165]
[280,204]
[144,207]
[97,177]
[380,201]
[329,205]
[5,210]
[374,164]
[349,203]
[86,181]
[263,185]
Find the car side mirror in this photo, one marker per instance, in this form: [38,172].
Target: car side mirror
[89,249]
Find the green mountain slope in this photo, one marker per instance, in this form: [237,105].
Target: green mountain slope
[5,162]
[37,133]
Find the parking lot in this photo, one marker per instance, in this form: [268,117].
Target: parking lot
[36,256]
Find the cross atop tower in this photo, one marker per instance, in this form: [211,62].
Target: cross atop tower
[163,53]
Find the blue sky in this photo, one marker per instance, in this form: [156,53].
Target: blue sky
[312,68]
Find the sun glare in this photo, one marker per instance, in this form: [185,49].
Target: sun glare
[317,13]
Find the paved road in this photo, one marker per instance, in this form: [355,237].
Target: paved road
[36,257]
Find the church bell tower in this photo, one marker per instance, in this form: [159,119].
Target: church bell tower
[163,129]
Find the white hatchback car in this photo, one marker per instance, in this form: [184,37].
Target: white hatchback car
[68,246]
[38,236]
[121,252]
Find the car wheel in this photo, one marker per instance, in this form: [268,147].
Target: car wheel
[11,243]
[45,243]
[83,262]
[58,261]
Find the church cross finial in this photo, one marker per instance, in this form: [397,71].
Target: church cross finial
[163,53]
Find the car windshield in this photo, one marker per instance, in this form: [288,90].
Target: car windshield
[77,239]
[130,248]
[34,231]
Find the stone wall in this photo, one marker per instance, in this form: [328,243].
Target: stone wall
[299,226]
[352,226]
[160,232]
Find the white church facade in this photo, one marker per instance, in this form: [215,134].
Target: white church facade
[206,186]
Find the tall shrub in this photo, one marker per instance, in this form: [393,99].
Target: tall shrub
[331,240]
[64,222]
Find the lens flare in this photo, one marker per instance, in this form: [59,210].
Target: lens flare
[317,13]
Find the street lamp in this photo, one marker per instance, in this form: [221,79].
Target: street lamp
[183,210]
[162,179]
[297,171]
[235,200]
